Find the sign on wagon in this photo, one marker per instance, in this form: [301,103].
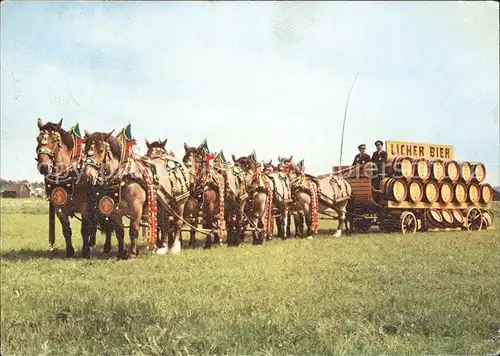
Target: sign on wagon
[413,149]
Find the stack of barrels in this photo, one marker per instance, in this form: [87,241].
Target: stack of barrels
[434,180]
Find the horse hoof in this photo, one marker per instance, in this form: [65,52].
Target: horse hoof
[310,237]
[162,251]
[70,253]
[176,248]
[51,248]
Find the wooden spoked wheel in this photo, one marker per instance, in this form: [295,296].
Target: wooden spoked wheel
[408,223]
[474,219]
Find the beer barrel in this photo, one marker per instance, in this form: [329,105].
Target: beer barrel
[402,167]
[478,171]
[415,191]
[460,192]
[459,217]
[448,218]
[394,189]
[487,219]
[452,170]
[474,192]
[486,193]
[431,192]
[434,218]
[465,171]
[437,169]
[445,192]
[422,168]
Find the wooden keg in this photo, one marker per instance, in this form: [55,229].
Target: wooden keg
[487,219]
[473,192]
[402,167]
[452,169]
[478,171]
[422,168]
[465,171]
[460,192]
[448,218]
[445,192]
[459,217]
[486,193]
[434,218]
[394,189]
[431,191]
[437,169]
[415,191]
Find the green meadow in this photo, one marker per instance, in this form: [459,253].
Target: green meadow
[427,293]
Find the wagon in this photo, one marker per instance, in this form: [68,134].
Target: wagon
[424,189]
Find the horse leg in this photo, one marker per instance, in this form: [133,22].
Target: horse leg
[120,236]
[135,220]
[163,224]
[179,210]
[87,226]
[342,221]
[66,230]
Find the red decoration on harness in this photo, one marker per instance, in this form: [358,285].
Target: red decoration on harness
[269,206]
[314,204]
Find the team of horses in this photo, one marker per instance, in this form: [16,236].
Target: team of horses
[99,177]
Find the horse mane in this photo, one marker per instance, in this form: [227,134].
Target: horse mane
[65,136]
[157,144]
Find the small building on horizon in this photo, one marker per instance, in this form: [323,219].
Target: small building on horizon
[17,190]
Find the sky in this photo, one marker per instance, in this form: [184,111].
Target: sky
[268,76]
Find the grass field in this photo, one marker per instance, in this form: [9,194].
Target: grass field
[428,293]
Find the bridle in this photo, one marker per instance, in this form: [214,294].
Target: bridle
[91,161]
[43,139]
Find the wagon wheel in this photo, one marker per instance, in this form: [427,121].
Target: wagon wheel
[474,219]
[408,223]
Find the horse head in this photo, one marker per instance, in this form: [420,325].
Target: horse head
[53,151]
[250,166]
[284,164]
[156,148]
[102,156]
[268,168]
[195,157]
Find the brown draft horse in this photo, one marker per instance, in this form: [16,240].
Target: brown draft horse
[206,185]
[282,197]
[56,151]
[333,192]
[101,170]
[259,202]
[172,193]
[234,199]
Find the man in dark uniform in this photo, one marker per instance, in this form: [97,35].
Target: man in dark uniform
[362,157]
[379,157]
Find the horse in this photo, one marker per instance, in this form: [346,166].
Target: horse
[234,199]
[260,195]
[173,191]
[207,192]
[114,196]
[58,155]
[313,194]
[282,197]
